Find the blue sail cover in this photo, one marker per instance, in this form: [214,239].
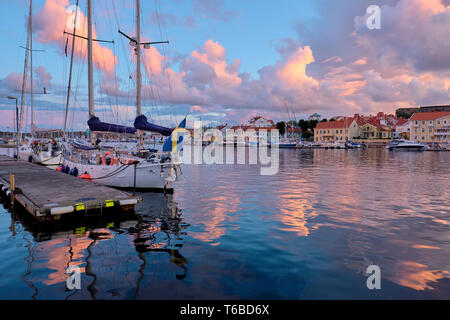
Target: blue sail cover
[141,123]
[96,125]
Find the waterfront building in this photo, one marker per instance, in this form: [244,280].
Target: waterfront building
[430,126]
[373,130]
[260,122]
[402,129]
[332,131]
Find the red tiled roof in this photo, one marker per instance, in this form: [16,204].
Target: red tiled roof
[401,122]
[334,124]
[429,115]
[247,127]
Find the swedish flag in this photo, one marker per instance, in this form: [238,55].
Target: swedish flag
[176,138]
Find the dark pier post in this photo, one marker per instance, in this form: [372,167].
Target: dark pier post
[12,183]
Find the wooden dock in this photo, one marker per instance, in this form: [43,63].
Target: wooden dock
[48,194]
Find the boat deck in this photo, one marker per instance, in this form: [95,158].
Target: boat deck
[48,194]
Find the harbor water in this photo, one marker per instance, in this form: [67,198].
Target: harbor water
[227,232]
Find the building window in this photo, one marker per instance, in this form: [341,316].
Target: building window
[341,132]
[430,129]
[423,138]
[415,130]
[439,122]
[423,121]
[431,122]
[416,122]
[445,121]
[423,129]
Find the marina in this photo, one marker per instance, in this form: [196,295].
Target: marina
[199,150]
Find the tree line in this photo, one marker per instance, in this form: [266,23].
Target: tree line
[303,124]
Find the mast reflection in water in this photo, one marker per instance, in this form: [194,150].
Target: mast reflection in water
[114,255]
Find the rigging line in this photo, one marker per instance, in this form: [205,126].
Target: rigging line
[71,66]
[163,47]
[24,81]
[85,38]
[124,52]
[116,84]
[165,55]
[80,70]
[160,34]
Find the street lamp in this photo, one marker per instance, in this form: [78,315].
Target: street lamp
[17,125]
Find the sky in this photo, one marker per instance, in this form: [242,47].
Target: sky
[228,60]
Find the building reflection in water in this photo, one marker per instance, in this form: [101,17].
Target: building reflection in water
[108,267]
[340,190]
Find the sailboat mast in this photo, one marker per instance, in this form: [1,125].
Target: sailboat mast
[24,81]
[90,65]
[31,66]
[138,59]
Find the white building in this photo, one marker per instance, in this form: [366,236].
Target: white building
[260,122]
[402,129]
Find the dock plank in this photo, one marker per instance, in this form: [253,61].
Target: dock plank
[45,189]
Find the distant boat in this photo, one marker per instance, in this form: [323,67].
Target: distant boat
[406,145]
[44,152]
[287,143]
[355,145]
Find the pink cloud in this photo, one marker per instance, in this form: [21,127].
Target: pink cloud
[293,72]
[52,20]
[197,109]
[42,78]
[214,55]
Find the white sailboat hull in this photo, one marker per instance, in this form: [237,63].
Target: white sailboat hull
[148,175]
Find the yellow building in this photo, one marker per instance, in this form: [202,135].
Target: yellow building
[430,127]
[332,131]
[376,131]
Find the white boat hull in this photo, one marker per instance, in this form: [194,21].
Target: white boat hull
[148,175]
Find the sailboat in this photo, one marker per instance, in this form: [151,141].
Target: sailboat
[43,151]
[143,169]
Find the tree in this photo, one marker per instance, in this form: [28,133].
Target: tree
[307,134]
[402,114]
[292,123]
[312,124]
[324,120]
[281,126]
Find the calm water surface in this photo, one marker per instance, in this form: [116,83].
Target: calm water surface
[307,233]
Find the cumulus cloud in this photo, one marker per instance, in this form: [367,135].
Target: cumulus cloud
[338,68]
[414,35]
[54,18]
[14,80]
